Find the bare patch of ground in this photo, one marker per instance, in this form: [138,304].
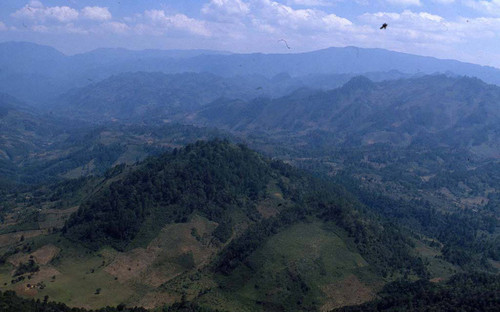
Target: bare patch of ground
[41,256]
[178,248]
[474,201]
[446,193]
[427,178]
[29,287]
[131,264]
[10,238]
[55,218]
[495,264]
[156,299]
[268,208]
[45,254]
[349,291]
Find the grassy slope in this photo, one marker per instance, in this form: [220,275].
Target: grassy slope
[304,266]
[300,267]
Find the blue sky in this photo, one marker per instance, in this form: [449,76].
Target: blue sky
[467,30]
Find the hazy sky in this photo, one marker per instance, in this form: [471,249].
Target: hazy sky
[467,30]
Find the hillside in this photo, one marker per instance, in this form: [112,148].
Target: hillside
[158,97]
[37,148]
[151,96]
[408,148]
[469,292]
[25,135]
[199,221]
[431,110]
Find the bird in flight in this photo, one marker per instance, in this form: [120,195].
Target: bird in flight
[384,26]
[286,43]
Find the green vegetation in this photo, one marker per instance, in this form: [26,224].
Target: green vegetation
[10,302]
[210,178]
[463,292]
[400,192]
[29,267]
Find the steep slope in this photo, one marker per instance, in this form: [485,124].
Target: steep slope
[155,96]
[149,96]
[25,134]
[472,291]
[42,148]
[209,178]
[431,110]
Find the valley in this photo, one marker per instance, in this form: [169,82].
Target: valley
[232,191]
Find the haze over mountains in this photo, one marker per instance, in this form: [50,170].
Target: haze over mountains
[457,112]
[37,73]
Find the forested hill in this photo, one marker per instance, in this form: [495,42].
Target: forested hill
[219,180]
[254,203]
[209,178]
[430,110]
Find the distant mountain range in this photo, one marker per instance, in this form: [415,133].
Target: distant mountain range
[38,74]
[434,110]
[431,110]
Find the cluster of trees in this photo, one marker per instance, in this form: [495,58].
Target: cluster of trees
[398,193]
[28,267]
[468,238]
[209,178]
[463,292]
[381,243]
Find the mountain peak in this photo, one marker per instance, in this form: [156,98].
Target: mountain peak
[358,82]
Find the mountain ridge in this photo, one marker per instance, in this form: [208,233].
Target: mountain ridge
[38,82]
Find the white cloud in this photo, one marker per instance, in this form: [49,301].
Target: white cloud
[36,4]
[425,33]
[406,18]
[312,2]
[272,15]
[35,10]
[226,7]
[69,28]
[96,13]
[489,7]
[116,27]
[405,2]
[444,1]
[164,22]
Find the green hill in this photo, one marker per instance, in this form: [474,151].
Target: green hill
[217,224]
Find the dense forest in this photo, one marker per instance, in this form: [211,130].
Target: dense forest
[210,178]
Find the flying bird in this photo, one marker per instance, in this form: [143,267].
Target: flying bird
[384,26]
[286,43]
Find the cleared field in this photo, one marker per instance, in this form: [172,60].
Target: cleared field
[291,261]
